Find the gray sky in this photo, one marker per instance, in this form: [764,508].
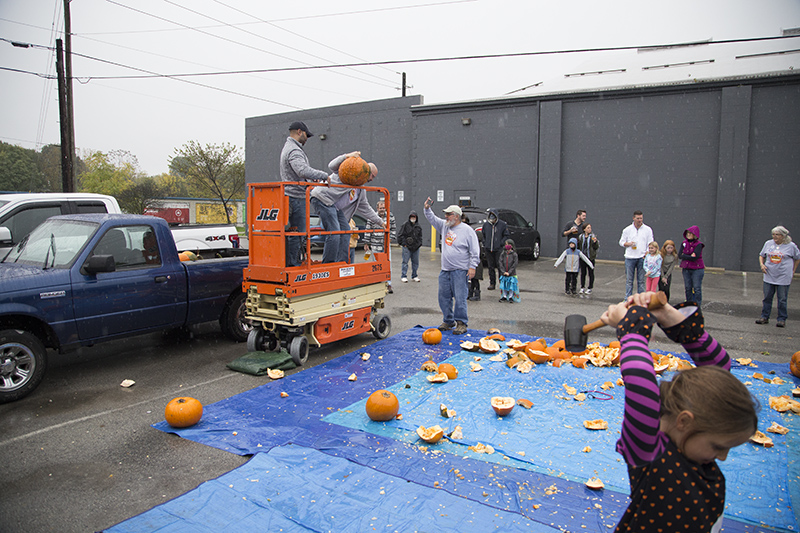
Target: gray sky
[151,116]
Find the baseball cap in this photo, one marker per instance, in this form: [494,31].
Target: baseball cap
[453,209]
[300,126]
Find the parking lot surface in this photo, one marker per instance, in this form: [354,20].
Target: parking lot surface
[80,455]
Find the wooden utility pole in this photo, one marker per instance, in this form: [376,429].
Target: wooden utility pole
[68,83]
[404,84]
[67,182]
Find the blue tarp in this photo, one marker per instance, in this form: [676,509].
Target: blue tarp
[324,411]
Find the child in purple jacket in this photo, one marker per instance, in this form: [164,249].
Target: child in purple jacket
[691,256]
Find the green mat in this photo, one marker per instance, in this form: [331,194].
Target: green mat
[257,363]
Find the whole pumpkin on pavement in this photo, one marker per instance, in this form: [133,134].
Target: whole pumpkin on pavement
[183,412]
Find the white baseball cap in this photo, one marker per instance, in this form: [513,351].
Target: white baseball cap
[453,209]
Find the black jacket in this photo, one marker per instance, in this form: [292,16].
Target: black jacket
[494,235]
[410,235]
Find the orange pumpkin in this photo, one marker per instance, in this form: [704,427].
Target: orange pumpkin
[613,344]
[354,171]
[559,344]
[496,337]
[450,370]
[579,362]
[538,356]
[502,405]
[432,336]
[558,362]
[183,256]
[183,412]
[382,405]
[794,364]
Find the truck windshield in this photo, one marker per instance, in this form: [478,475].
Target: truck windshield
[54,244]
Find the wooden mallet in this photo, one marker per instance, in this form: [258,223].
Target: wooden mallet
[576,330]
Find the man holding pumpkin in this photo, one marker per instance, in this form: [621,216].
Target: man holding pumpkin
[460,257]
[294,166]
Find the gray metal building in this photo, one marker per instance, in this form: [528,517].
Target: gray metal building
[723,155]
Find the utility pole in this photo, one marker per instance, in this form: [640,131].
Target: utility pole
[404,84]
[67,182]
[68,80]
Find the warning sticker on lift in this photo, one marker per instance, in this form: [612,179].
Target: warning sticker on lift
[347,271]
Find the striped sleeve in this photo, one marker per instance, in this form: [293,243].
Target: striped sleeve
[641,441]
[706,351]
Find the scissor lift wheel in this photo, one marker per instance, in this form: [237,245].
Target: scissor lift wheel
[298,349]
[259,340]
[381,326]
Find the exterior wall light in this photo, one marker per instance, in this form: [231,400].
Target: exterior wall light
[466,121]
[322,136]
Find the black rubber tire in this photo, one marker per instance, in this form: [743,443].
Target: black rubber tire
[381,326]
[233,322]
[257,340]
[298,349]
[535,253]
[23,361]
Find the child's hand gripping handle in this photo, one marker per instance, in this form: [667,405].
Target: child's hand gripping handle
[657,300]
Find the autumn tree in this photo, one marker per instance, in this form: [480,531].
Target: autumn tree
[115,173]
[216,169]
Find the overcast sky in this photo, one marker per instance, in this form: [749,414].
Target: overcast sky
[125,101]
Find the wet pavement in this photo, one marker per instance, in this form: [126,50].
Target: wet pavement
[79,453]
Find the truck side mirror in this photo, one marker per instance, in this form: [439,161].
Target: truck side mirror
[100,263]
[5,236]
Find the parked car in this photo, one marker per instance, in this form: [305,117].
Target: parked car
[77,280]
[525,236]
[318,240]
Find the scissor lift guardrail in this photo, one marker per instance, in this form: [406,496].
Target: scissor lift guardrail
[314,303]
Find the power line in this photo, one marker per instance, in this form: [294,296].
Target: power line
[446,59]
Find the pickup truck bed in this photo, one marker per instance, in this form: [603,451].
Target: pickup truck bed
[82,279]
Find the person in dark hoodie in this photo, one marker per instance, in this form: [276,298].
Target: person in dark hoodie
[495,233]
[691,256]
[410,239]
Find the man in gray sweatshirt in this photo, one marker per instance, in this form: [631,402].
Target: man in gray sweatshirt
[460,256]
[294,166]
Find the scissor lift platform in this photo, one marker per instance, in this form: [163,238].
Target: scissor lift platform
[315,303]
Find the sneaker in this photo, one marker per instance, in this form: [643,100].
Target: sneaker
[588,291]
[460,328]
[404,280]
[781,324]
[582,290]
[504,299]
[762,321]
[444,326]
[491,287]
[567,292]
[474,298]
[416,278]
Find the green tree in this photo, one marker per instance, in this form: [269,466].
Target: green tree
[115,173]
[218,170]
[18,170]
[140,194]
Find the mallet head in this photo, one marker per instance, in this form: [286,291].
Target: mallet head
[574,338]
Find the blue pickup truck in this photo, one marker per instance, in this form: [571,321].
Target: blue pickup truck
[78,280]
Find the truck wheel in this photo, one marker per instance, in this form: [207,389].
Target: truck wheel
[381,326]
[535,252]
[298,349]
[233,321]
[23,360]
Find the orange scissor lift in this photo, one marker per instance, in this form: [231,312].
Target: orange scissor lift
[315,303]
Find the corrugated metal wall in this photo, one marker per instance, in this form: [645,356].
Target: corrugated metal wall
[723,156]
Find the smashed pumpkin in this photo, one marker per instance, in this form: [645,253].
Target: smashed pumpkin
[431,435]
[450,370]
[382,405]
[502,405]
[794,364]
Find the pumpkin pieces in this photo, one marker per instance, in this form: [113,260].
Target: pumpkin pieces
[594,483]
[760,438]
[502,405]
[488,345]
[598,424]
[447,368]
[431,435]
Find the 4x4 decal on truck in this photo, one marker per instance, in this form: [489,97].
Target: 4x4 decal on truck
[269,215]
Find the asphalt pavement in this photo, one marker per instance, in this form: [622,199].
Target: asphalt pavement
[79,453]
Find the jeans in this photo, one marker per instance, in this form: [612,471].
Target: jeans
[333,220]
[631,266]
[297,222]
[693,282]
[783,297]
[453,288]
[414,256]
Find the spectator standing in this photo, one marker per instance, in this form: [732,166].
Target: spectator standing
[509,283]
[779,258]
[576,227]
[410,239]
[573,257]
[588,244]
[351,258]
[294,166]
[652,266]
[495,233]
[668,257]
[474,293]
[460,257]
[635,239]
[691,256]
[374,242]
